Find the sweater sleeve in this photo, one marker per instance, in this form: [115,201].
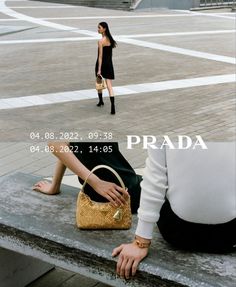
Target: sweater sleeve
[154,187]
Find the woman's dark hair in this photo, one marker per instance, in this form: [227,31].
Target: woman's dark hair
[108,34]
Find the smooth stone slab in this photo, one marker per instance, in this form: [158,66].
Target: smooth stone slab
[44,227]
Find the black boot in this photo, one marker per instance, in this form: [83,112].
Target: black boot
[100,103]
[113,111]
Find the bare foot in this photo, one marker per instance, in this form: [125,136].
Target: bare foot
[46,187]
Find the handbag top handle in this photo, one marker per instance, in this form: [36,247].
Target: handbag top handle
[107,167]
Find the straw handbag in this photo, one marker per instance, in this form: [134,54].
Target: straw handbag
[102,215]
[100,83]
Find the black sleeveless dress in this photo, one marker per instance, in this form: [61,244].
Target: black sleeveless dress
[92,154]
[107,69]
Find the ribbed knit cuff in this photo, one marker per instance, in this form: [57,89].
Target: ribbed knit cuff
[144,229]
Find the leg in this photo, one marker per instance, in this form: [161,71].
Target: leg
[111,94]
[54,186]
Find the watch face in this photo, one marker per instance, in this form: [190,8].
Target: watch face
[142,244]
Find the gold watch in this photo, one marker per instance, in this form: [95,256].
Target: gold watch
[142,244]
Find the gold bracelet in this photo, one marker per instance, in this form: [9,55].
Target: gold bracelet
[142,244]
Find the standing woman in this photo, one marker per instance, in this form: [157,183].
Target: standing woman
[104,65]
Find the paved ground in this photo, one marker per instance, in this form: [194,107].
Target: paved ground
[47,78]
[175,73]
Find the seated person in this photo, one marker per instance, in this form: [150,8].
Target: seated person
[191,195]
[82,157]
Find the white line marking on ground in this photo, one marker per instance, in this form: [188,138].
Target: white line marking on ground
[74,39]
[111,17]
[7,11]
[45,99]
[51,40]
[122,17]
[167,48]
[186,52]
[103,17]
[185,13]
[9,20]
[141,16]
[66,6]
[177,34]
[227,13]
[208,14]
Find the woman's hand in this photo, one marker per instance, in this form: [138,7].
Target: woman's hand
[112,192]
[46,187]
[99,73]
[130,256]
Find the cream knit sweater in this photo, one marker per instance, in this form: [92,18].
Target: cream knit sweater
[199,184]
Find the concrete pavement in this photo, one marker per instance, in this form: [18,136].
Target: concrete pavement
[48,86]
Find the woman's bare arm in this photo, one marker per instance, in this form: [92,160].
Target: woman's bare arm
[109,190]
[100,55]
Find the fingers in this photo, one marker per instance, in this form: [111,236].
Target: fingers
[134,267]
[126,264]
[112,201]
[112,192]
[45,187]
[117,250]
[130,256]
[119,199]
[126,267]
[119,264]
[123,192]
[40,184]
[114,196]
[123,268]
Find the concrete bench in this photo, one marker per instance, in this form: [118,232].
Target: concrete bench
[42,228]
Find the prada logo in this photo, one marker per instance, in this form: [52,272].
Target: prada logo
[118,215]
